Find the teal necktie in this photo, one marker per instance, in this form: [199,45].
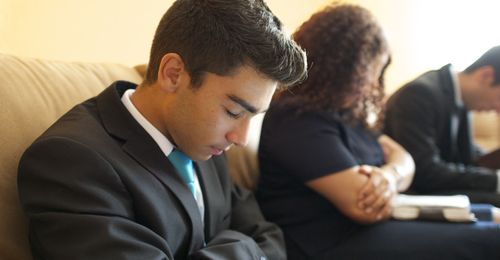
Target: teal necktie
[184,167]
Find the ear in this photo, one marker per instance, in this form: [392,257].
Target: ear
[486,75]
[170,71]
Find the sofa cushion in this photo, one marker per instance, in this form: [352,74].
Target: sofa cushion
[33,94]
[486,129]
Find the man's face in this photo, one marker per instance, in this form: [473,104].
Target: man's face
[208,119]
[479,90]
[487,98]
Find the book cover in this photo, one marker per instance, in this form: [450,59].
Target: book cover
[455,208]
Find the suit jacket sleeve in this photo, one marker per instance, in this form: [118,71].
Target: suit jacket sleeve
[78,207]
[249,235]
[412,121]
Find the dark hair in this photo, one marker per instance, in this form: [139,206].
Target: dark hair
[489,58]
[219,36]
[342,42]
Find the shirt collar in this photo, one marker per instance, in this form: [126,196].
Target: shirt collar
[165,145]
[456,87]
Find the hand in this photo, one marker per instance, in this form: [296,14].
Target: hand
[496,214]
[376,195]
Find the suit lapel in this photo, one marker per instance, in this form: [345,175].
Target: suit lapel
[461,146]
[152,158]
[210,184]
[139,145]
[448,88]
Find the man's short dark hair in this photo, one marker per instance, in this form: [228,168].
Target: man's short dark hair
[219,36]
[489,58]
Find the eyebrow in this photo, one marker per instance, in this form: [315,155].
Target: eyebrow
[244,104]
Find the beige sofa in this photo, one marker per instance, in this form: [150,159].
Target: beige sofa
[34,93]
[486,128]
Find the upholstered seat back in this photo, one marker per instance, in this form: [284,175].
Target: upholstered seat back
[33,94]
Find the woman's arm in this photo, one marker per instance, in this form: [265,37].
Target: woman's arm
[397,172]
[342,189]
[364,193]
[398,161]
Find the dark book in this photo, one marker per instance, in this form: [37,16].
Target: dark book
[490,160]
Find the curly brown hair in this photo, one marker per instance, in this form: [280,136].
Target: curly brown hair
[342,43]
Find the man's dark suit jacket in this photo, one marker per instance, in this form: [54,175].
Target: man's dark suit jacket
[95,185]
[425,119]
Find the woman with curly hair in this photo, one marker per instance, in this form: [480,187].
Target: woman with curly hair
[328,176]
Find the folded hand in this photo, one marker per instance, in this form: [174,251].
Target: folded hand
[376,195]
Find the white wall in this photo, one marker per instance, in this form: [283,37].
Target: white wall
[6,25]
[427,34]
[424,34]
[90,30]
[101,30]
[293,12]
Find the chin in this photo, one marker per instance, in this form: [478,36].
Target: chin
[203,157]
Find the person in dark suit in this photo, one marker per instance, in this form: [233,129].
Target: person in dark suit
[429,117]
[137,172]
[327,174]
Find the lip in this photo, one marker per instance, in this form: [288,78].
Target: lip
[216,151]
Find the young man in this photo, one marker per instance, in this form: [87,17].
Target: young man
[136,172]
[429,117]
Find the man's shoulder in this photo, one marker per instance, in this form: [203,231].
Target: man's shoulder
[77,120]
[88,120]
[80,125]
[429,82]
[426,87]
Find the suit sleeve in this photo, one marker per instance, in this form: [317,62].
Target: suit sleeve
[249,235]
[411,120]
[78,208]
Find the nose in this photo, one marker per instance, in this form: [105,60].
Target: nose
[239,134]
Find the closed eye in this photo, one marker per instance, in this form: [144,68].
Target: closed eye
[233,115]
